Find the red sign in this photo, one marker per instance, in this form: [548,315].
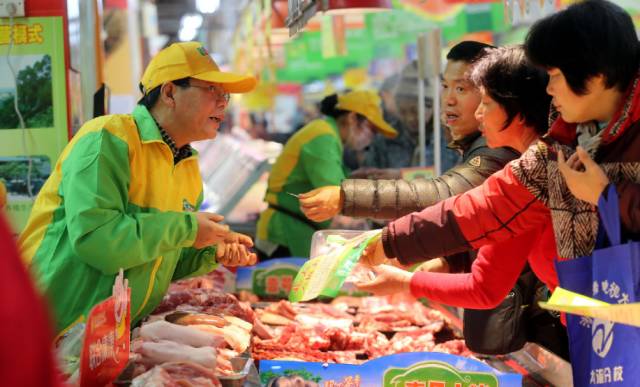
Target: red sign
[105,349]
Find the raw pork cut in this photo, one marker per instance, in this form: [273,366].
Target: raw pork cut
[168,351]
[162,330]
[176,374]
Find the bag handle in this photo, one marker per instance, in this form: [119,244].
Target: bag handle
[609,211]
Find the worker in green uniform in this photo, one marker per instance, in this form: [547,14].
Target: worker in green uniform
[126,191]
[312,158]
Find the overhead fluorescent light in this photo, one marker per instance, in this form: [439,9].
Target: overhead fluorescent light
[189,24]
[191,20]
[207,6]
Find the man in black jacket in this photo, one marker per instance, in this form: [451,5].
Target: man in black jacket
[385,156]
[390,199]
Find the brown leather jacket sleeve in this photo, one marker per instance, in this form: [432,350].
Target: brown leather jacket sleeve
[391,199]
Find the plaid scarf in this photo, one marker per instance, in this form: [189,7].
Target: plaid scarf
[575,222]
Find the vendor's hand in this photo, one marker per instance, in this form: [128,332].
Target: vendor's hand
[584,177]
[322,203]
[374,255]
[235,254]
[388,280]
[437,265]
[210,231]
[234,251]
[234,237]
[376,173]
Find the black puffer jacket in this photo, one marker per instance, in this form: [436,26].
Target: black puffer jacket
[391,199]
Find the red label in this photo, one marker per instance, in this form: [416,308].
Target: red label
[285,282]
[273,286]
[105,350]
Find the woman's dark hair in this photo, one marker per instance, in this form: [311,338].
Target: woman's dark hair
[328,108]
[149,100]
[516,84]
[588,38]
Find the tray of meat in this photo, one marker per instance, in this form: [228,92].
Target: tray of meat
[166,363]
[244,374]
[176,373]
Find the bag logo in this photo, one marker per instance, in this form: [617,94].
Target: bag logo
[601,337]
[602,330]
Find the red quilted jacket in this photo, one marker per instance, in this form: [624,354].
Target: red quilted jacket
[516,209]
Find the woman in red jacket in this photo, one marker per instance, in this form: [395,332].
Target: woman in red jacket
[512,113]
[592,55]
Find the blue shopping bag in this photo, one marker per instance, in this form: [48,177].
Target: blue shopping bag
[604,353]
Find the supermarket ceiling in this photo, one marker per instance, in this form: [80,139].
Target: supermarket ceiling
[217,27]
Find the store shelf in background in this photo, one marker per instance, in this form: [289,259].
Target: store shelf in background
[230,167]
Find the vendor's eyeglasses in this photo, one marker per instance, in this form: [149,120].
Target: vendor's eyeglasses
[216,91]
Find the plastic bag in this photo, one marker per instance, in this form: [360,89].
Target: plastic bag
[69,348]
[326,273]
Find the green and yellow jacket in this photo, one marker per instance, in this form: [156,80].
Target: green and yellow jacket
[115,200]
[312,158]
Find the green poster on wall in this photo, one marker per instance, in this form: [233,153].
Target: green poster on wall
[28,155]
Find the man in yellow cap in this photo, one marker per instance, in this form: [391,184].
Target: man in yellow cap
[312,158]
[125,192]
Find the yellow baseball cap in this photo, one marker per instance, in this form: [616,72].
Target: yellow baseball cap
[191,60]
[366,103]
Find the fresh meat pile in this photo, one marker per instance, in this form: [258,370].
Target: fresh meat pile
[320,343]
[206,301]
[177,374]
[344,333]
[454,347]
[215,280]
[397,314]
[191,338]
